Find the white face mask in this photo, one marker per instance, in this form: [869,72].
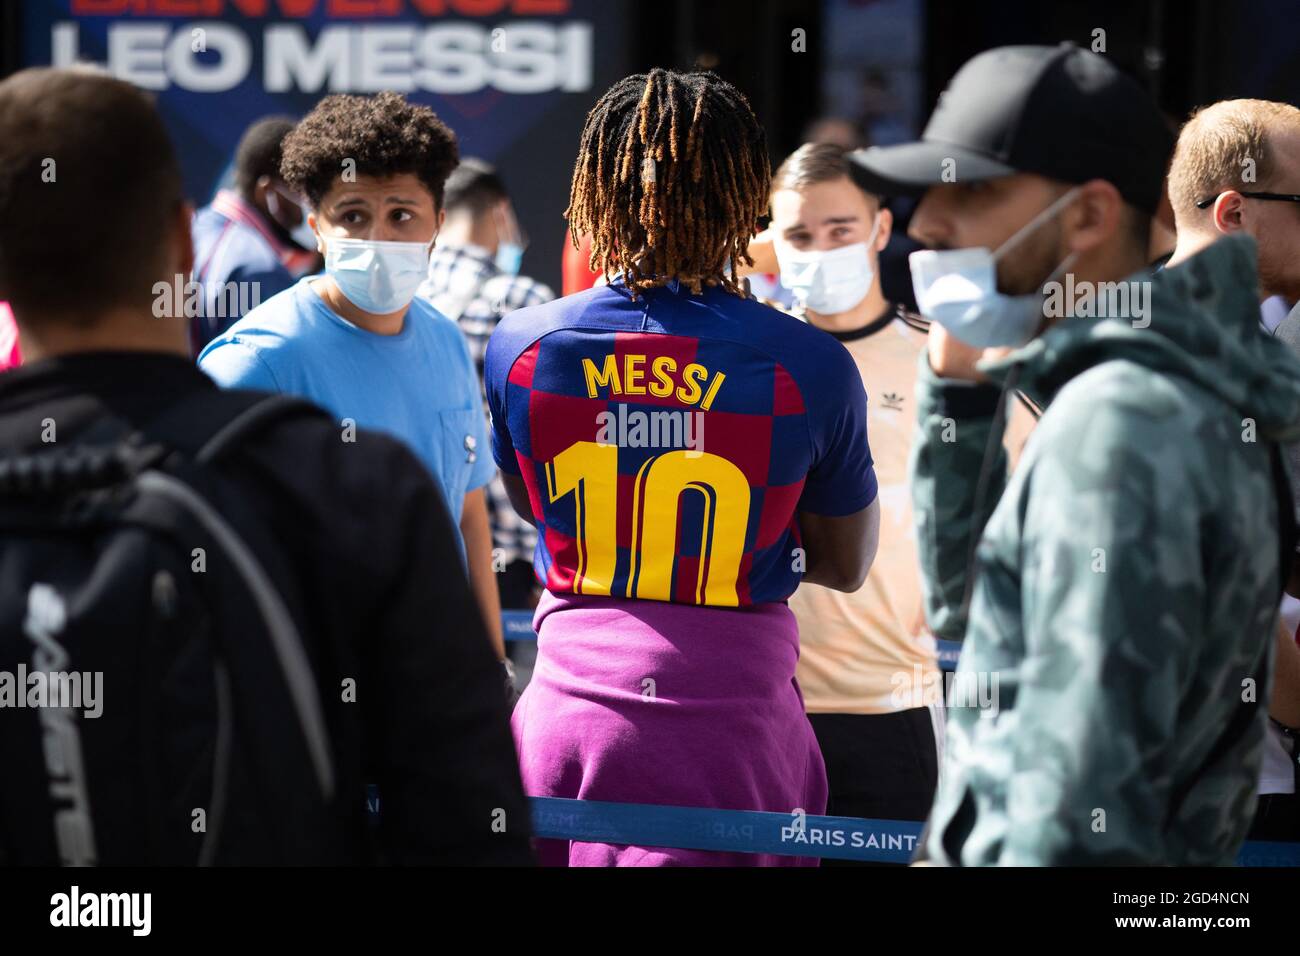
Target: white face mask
[829,281]
[958,288]
[376,276]
[302,234]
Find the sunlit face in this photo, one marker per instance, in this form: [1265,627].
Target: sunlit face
[393,209]
[965,215]
[825,216]
[1276,225]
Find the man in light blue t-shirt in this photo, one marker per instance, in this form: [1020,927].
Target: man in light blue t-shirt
[355,340]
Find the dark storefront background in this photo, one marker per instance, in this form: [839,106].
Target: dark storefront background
[872,68]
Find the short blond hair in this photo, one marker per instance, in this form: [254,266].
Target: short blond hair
[812,164]
[1218,144]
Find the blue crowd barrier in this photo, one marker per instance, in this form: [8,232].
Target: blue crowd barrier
[518,625]
[749,831]
[752,831]
[736,831]
[948,652]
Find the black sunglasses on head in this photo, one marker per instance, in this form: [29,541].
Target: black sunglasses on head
[1275,197]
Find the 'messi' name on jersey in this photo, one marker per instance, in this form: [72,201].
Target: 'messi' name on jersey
[692,384]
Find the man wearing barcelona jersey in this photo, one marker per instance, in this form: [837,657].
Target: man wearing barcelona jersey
[688,456]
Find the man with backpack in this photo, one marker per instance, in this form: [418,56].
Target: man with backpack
[278,611]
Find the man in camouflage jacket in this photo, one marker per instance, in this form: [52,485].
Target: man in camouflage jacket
[1117,598]
[1125,587]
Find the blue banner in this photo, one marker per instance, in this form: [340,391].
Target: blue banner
[513,78]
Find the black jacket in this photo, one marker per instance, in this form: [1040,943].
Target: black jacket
[371,567]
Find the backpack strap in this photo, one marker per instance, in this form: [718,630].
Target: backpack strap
[210,424]
[202,428]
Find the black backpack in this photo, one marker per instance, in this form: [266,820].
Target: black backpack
[126,557]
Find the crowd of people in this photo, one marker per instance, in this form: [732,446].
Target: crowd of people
[745,493]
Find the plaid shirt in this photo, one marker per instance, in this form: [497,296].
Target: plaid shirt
[464,284]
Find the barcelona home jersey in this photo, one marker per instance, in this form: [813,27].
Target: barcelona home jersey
[669,441]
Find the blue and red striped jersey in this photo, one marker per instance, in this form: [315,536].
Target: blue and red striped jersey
[668,441]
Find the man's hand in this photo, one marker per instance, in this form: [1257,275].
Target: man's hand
[950,357]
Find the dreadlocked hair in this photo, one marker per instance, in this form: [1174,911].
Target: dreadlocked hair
[671,179]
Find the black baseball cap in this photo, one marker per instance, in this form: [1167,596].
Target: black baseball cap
[1061,112]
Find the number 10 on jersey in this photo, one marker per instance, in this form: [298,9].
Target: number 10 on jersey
[589,471]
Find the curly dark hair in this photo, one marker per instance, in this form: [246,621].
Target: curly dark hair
[671,178]
[384,134]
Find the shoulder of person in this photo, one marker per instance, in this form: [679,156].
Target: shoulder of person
[511,292]
[1113,418]
[272,331]
[269,342]
[1288,330]
[362,489]
[265,270]
[805,351]
[255,251]
[206,218]
[1121,390]
[233,248]
[519,328]
[422,310]
[437,326]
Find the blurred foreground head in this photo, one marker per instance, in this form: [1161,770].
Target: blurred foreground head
[1048,150]
[91,209]
[671,178]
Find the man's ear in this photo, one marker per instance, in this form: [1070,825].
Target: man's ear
[886,219]
[260,189]
[1229,211]
[1095,218]
[312,222]
[442,218]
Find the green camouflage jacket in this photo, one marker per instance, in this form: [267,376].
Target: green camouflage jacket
[1126,583]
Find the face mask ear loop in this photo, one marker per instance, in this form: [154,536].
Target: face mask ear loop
[1062,269]
[875,228]
[981,485]
[1034,223]
[1057,273]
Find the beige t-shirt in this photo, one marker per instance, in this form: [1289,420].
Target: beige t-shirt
[871,652]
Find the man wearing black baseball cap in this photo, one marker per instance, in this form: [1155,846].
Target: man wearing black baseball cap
[1114,596]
